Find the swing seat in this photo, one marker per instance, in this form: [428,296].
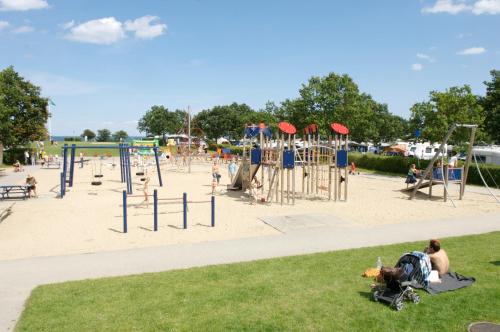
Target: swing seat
[139,173]
[143,179]
[98,176]
[96,183]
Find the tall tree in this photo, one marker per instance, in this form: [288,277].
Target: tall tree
[88,133]
[23,112]
[455,105]
[159,121]
[491,105]
[103,135]
[120,135]
[227,120]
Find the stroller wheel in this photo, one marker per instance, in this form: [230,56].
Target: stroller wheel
[375,296]
[416,298]
[398,305]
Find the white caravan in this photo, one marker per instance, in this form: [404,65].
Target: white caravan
[487,154]
[425,150]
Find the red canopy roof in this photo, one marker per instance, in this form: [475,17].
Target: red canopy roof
[287,128]
[339,128]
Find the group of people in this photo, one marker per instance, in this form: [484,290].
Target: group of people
[216,176]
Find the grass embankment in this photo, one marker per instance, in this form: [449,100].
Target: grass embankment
[311,292]
[57,149]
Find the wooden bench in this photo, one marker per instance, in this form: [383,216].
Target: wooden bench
[14,191]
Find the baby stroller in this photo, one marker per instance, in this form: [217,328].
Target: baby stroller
[411,271]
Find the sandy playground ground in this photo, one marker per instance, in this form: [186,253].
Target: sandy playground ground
[89,218]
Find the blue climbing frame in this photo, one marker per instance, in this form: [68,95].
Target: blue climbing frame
[125,165]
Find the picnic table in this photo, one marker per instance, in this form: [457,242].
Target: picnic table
[14,191]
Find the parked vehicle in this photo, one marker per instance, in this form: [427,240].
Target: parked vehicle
[487,154]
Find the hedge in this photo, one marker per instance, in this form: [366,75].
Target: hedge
[398,164]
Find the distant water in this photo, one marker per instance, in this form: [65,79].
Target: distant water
[61,138]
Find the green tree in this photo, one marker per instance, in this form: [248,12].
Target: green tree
[159,121]
[491,105]
[103,135]
[120,135]
[455,105]
[23,112]
[89,133]
[227,121]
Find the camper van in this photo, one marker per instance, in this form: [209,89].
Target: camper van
[487,154]
[425,150]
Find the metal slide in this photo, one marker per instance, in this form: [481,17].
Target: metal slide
[238,179]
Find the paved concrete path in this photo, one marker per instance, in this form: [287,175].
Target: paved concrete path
[19,277]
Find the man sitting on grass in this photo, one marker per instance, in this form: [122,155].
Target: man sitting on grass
[439,258]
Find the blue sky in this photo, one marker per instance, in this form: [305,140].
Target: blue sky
[104,63]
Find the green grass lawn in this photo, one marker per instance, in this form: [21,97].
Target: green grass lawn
[57,149]
[302,293]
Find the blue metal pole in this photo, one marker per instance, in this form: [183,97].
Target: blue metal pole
[184,210]
[213,210]
[129,172]
[124,211]
[155,210]
[62,184]
[72,165]
[65,161]
[121,163]
[158,165]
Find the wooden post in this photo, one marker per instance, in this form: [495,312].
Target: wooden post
[282,177]
[304,166]
[329,168]
[293,170]
[345,168]
[445,182]
[309,154]
[288,176]
[467,161]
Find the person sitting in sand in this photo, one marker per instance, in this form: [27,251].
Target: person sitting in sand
[31,183]
[439,258]
[17,166]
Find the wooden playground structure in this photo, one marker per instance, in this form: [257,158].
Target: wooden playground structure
[443,173]
[324,164]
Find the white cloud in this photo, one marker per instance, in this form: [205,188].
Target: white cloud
[4,24]
[417,67]
[22,5]
[454,7]
[425,57]
[486,7]
[144,28]
[68,25]
[472,51]
[101,31]
[23,29]
[446,6]
[109,30]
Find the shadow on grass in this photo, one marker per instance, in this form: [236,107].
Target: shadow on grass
[496,263]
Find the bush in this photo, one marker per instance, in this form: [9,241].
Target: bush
[491,174]
[72,139]
[12,154]
[400,165]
